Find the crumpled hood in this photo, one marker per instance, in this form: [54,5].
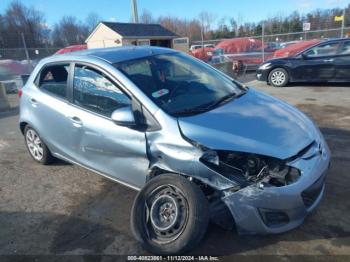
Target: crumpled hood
[255,123]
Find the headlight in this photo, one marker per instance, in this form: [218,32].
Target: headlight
[264,66]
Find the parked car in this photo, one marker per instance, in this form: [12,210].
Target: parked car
[194,47]
[195,143]
[209,45]
[205,54]
[72,48]
[328,61]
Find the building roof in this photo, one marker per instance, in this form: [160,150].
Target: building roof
[117,54]
[140,30]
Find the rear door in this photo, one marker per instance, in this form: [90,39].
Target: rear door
[318,63]
[49,106]
[116,151]
[342,62]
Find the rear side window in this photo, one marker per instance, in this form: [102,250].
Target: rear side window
[95,92]
[54,78]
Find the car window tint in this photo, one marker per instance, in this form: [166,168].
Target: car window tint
[323,50]
[345,50]
[93,91]
[53,79]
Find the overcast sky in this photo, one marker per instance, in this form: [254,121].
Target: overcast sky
[120,10]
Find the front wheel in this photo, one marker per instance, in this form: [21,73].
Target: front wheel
[278,77]
[169,215]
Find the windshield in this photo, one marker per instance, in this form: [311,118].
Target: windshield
[179,84]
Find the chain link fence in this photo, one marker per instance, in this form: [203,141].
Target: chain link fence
[33,53]
[264,46]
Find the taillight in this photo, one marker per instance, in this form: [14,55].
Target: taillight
[20,92]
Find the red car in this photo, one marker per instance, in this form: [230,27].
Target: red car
[71,48]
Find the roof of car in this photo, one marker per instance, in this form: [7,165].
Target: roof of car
[118,54]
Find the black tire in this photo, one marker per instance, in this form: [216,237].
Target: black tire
[46,156]
[278,77]
[190,231]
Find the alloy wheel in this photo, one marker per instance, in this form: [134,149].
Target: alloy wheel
[34,144]
[278,78]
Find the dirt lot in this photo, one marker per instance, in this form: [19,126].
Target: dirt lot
[64,209]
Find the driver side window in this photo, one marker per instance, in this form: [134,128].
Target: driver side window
[323,50]
[95,92]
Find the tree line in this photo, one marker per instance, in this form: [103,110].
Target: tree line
[20,21]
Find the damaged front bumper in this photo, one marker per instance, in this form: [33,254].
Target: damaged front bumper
[264,210]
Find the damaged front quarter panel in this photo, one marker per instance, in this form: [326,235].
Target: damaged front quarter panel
[172,151]
[168,151]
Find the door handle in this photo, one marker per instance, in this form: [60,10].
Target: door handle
[76,121]
[328,60]
[33,101]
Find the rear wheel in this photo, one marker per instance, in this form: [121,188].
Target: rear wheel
[278,77]
[169,215]
[36,147]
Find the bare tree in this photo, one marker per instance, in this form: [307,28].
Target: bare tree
[206,19]
[69,31]
[20,19]
[194,29]
[146,17]
[2,31]
[182,27]
[234,26]
[92,20]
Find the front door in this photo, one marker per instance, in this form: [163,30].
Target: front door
[342,63]
[318,63]
[116,151]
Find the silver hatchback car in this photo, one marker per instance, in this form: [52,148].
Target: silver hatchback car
[196,144]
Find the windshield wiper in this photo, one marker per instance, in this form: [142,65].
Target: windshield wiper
[209,106]
[190,111]
[222,100]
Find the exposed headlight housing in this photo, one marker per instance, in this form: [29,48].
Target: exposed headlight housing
[246,168]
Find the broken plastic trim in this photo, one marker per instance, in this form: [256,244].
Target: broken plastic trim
[246,169]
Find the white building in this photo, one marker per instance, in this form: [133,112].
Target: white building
[111,34]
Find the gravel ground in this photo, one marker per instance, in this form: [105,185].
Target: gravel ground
[64,209]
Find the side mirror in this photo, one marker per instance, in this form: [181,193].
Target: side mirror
[304,56]
[124,116]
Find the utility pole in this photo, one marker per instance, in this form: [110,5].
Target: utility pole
[342,24]
[25,49]
[202,34]
[135,15]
